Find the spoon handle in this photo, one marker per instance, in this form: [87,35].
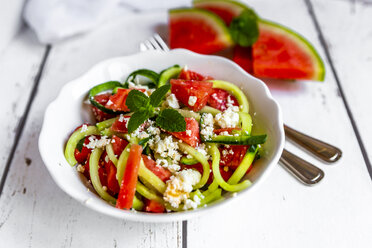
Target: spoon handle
[320,149]
[304,171]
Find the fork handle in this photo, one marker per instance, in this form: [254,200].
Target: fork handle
[304,171]
[320,149]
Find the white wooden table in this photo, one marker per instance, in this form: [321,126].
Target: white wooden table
[34,212]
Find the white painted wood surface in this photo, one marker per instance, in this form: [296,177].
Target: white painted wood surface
[335,213]
[351,51]
[10,19]
[19,64]
[34,212]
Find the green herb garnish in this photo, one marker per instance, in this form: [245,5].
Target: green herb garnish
[244,28]
[144,108]
[171,120]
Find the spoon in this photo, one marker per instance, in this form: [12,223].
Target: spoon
[319,149]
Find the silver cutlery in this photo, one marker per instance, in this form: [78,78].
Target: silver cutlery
[304,171]
[319,149]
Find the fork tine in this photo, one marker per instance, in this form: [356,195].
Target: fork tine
[148,45]
[161,42]
[143,47]
[155,44]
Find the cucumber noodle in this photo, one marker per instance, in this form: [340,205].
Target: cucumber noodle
[111,154]
[235,91]
[74,140]
[94,176]
[217,175]
[201,158]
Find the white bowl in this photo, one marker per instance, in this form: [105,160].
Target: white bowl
[68,111]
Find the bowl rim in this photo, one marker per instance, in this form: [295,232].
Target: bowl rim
[167,217]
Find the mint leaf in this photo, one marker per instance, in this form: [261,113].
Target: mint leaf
[137,101]
[137,119]
[171,120]
[244,28]
[158,95]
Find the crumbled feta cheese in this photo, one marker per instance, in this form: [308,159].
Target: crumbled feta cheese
[139,133]
[109,102]
[216,98]
[207,126]
[203,150]
[172,101]
[173,167]
[97,143]
[224,152]
[230,102]
[166,147]
[83,128]
[227,119]
[106,159]
[80,168]
[180,185]
[122,118]
[225,133]
[192,204]
[192,100]
[188,132]
[137,86]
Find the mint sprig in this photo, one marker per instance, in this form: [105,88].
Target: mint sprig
[137,119]
[157,95]
[244,28]
[144,108]
[137,101]
[171,120]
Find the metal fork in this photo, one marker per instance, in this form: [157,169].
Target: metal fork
[304,171]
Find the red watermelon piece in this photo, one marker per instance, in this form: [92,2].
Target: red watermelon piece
[191,135]
[284,54]
[198,30]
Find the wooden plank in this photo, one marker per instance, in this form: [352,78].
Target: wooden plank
[351,53]
[19,65]
[34,211]
[283,212]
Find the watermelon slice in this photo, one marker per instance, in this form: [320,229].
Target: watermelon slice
[284,54]
[225,9]
[198,30]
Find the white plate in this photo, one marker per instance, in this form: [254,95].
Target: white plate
[68,111]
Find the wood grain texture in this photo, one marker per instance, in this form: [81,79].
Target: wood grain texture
[351,53]
[335,213]
[34,211]
[19,64]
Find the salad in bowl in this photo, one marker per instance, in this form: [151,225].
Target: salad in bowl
[161,140]
[166,142]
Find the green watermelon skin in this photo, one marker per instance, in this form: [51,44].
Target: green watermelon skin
[284,54]
[198,30]
[225,9]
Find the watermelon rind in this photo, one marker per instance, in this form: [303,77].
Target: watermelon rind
[235,7]
[210,18]
[308,48]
